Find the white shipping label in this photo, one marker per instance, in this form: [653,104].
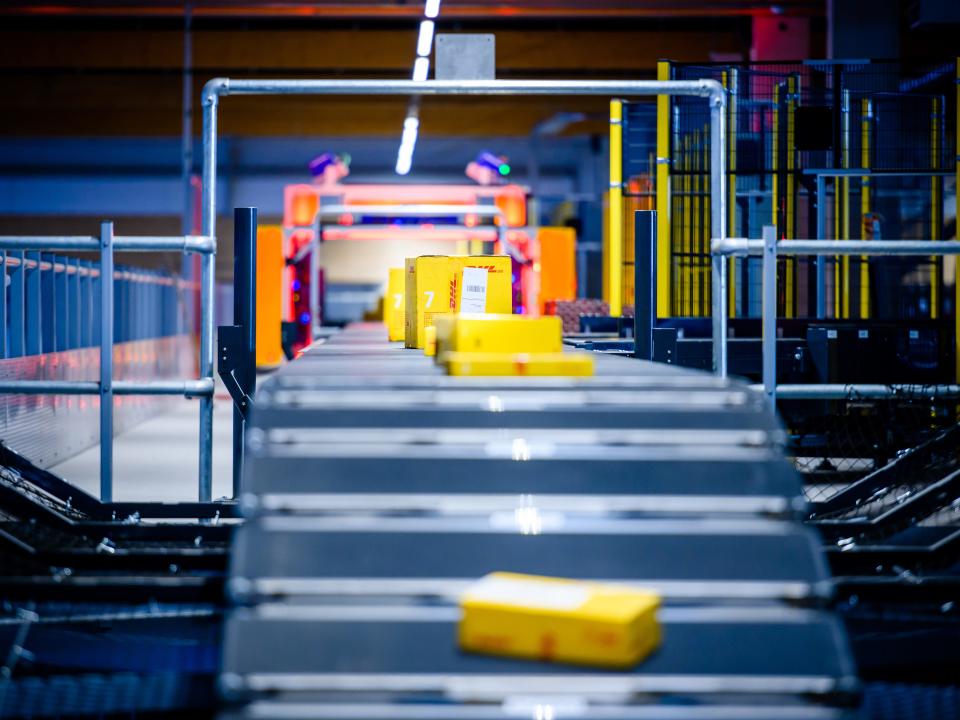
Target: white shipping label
[474,297]
[529,593]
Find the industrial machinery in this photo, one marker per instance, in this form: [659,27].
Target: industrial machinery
[376,487]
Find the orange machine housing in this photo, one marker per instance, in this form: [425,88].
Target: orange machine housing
[558,264]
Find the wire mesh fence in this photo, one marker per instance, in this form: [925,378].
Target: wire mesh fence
[790,125]
[836,443]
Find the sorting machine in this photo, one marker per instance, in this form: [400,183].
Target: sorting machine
[376,488]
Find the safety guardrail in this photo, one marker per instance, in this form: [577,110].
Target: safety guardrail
[770,249]
[109,320]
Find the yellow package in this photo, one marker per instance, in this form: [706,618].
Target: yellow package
[430,339]
[429,292]
[567,364]
[495,333]
[492,293]
[393,305]
[559,620]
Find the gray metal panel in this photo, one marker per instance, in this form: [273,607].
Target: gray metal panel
[558,545]
[408,641]
[465,56]
[642,472]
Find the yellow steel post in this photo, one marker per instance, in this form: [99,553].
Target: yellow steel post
[731,82]
[697,225]
[775,164]
[866,223]
[615,258]
[664,247]
[936,201]
[676,241]
[790,290]
[686,246]
[845,203]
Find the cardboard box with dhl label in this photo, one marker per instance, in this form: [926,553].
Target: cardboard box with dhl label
[558,620]
[393,305]
[435,285]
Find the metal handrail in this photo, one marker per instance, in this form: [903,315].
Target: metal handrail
[711,90]
[770,249]
[107,245]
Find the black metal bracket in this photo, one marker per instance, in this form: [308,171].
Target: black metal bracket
[234,367]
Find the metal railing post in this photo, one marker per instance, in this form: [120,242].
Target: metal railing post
[208,209]
[821,260]
[645,284]
[244,316]
[768,314]
[106,361]
[718,229]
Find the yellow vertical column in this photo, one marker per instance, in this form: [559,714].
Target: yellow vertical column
[615,232]
[696,226]
[687,243]
[866,222]
[845,203]
[790,290]
[936,202]
[664,247]
[731,82]
[775,165]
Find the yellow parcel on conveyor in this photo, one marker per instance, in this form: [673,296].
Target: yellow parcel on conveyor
[506,345]
[435,286]
[559,620]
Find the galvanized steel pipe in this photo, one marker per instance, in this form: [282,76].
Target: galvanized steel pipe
[712,90]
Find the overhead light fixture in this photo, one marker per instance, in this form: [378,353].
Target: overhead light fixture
[408,142]
[425,40]
[420,69]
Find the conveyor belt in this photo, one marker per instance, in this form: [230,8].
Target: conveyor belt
[377,488]
[742,559]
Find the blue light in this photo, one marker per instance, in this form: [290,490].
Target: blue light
[305,318]
[296,285]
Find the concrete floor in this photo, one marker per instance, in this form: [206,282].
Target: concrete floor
[157,460]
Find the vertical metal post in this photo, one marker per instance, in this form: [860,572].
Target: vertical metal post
[866,224]
[615,258]
[33,305]
[718,229]
[18,307]
[106,361]
[315,277]
[4,324]
[821,260]
[245,316]
[732,88]
[769,315]
[845,203]
[789,224]
[936,206]
[207,294]
[645,283]
[956,263]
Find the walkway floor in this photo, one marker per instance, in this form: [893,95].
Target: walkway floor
[157,460]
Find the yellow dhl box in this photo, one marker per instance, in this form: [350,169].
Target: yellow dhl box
[429,292]
[430,338]
[565,364]
[393,305]
[475,333]
[483,284]
[559,620]
[439,285]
